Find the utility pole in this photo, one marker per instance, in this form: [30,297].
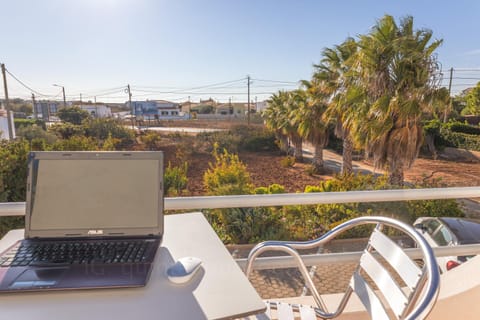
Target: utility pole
[130,104]
[80,98]
[35,115]
[449,94]
[248,111]
[63,91]
[7,104]
[450,81]
[64,100]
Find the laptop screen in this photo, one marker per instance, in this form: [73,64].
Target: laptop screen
[95,193]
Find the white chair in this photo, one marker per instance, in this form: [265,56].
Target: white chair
[388,283]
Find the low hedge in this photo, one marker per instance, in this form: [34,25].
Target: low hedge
[29,122]
[459,140]
[461,127]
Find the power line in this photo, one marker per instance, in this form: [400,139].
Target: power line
[276,81]
[214,84]
[26,86]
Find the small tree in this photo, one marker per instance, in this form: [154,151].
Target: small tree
[473,101]
[228,175]
[102,128]
[175,179]
[73,115]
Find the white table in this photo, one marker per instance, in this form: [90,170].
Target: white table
[219,290]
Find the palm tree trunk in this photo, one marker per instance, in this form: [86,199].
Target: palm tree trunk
[430,141]
[395,177]
[283,140]
[298,145]
[317,160]
[347,167]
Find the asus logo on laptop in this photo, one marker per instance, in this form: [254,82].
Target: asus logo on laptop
[95,232]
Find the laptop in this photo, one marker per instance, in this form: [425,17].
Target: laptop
[93,220]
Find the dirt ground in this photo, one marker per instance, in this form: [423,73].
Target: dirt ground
[265,167]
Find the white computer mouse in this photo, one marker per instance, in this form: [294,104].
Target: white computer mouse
[183,270]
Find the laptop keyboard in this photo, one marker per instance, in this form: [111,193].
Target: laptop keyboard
[71,252]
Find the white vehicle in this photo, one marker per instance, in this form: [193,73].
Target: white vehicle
[449,231]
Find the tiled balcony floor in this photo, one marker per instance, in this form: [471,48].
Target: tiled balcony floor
[284,283]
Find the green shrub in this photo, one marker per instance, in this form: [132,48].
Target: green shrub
[10,223]
[459,140]
[102,128]
[75,143]
[271,189]
[151,140]
[73,115]
[175,179]
[227,176]
[224,140]
[247,225]
[453,134]
[110,144]
[261,190]
[13,170]
[263,141]
[34,131]
[13,179]
[432,127]
[276,189]
[456,126]
[239,137]
[67,130]
[19,123]
[433,208]
[39,144]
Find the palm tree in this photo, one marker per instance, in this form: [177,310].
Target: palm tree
[273,113]
[396,70]
[334,74]
[311,106]
[295,103]
[279,116]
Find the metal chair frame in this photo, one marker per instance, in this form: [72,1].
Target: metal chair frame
[414,302]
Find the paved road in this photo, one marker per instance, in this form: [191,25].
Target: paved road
[333,161]
[178,129]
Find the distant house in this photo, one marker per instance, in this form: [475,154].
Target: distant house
[157,109]
[232,108]
[97,110]
[260,106]
[45,109]
[225,109]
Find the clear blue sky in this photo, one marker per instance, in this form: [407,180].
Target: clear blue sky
[89,46]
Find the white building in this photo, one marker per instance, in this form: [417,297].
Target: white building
[97,110]
[260,106]
[157,109]
[4,125]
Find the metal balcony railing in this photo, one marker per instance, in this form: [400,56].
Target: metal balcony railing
[213,202]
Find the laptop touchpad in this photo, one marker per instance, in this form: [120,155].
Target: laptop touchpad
[38,278]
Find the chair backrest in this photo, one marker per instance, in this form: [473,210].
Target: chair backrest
[387,281]
[397,278]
